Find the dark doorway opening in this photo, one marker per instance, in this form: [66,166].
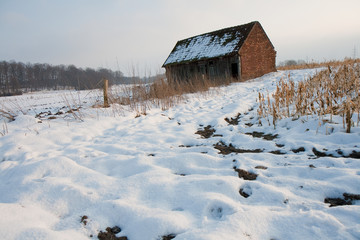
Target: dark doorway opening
[234,70]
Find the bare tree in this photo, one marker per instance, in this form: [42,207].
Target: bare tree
[16,77]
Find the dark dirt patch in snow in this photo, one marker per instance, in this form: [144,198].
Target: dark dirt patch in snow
[277,152]
[261,167]
[168,237]
[297,150]
[185,146]
[354,154]
[349,196]
[180,174]
[49,115]
[347,199]
[243,193]
[84,219]
[217,135]
[249,124]
[268,137]
[227,149]
[245,174]
[189,146]
[110,234]
[207,132]
[337,202]
[233,121]
[321,154]
[43,114]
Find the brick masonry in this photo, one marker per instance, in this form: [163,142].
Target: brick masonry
[257,54]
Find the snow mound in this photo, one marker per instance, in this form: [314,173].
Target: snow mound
[154,177]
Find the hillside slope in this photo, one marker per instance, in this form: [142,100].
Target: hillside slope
[202,170]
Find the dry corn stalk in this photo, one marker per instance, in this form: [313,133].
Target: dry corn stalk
[333,91]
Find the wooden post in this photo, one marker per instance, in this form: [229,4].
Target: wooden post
[348,116]
[106,99]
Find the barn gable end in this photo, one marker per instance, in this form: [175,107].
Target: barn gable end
[230,52]
[257,54]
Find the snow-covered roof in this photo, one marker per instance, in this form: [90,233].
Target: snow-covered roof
[209,45]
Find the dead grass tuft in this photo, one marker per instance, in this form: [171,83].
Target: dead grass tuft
[162,93]
[333,91]
[332,63]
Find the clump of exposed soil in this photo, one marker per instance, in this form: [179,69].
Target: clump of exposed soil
[110,234]
[244,194]
[277,152]
[347,200]
[168,237]
[207,132]
[352,197]
[43,114]
[353,154]
[245,174]
[297,150]
[233,121]
[180,174]
[337,202]
[261,167]
[268,137]
[185,146]
[321,154]
[50,115]
[227,149]
[84,219]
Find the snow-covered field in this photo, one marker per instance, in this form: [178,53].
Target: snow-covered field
[76,174]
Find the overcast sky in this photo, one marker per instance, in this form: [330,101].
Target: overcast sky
[139,34]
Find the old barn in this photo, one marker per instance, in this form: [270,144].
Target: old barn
[241,52]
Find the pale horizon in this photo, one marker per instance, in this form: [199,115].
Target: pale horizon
[139,35]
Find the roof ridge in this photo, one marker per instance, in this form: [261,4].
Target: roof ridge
[221,30]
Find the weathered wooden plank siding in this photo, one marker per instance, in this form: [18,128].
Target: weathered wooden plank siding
[212,69]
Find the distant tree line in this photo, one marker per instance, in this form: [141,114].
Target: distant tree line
[17,77]
[291,62]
